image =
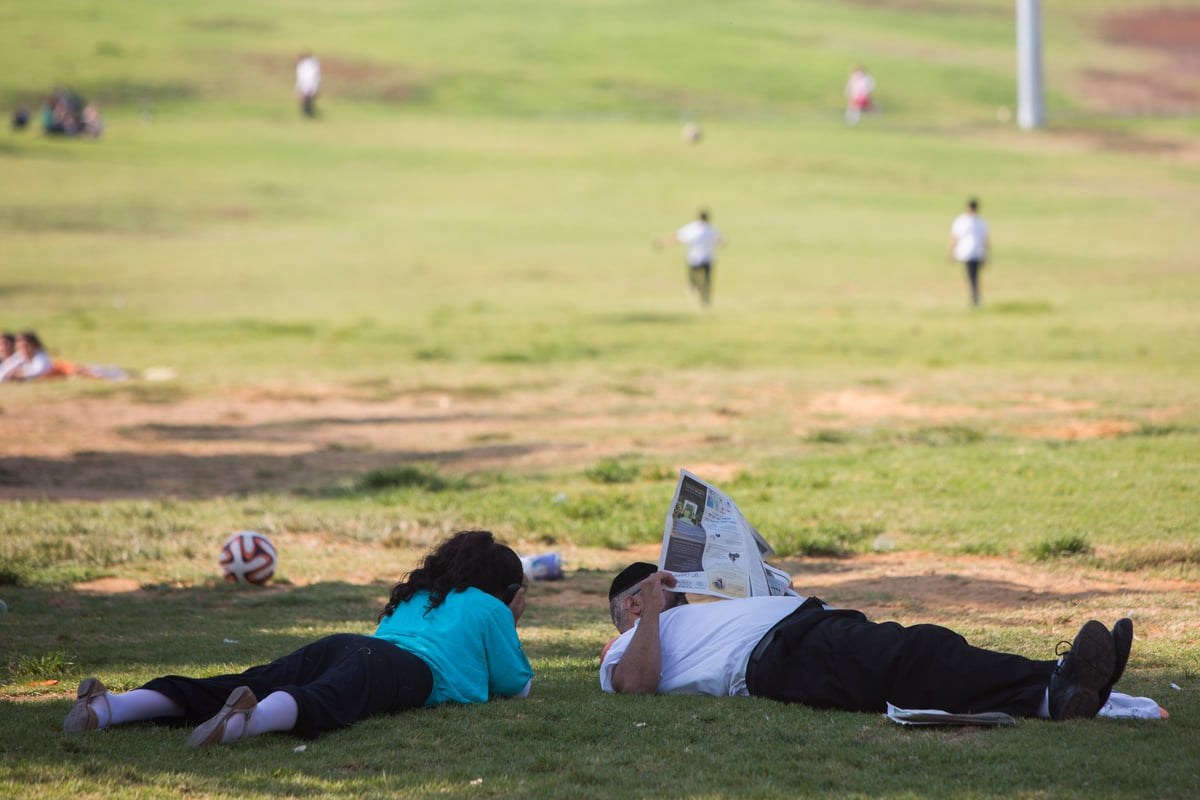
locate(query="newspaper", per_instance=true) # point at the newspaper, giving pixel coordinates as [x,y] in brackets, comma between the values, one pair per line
[711,549]
[933,716]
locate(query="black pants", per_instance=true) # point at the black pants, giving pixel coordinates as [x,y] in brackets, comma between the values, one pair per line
[840,659]
[973,268]
[335,681]
[700,278]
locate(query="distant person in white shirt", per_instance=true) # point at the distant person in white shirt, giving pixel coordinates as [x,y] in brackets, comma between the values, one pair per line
[970,244]
[702,241]
[308,83]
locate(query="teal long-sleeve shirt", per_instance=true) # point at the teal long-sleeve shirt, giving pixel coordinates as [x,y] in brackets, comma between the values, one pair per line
[469,642]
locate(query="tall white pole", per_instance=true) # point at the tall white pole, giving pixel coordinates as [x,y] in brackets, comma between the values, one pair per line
[1031,106]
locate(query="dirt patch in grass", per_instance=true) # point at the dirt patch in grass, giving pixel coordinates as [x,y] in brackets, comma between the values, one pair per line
[109,586]
[1170,84]
[1079,429]
[246,441]
[1171,29]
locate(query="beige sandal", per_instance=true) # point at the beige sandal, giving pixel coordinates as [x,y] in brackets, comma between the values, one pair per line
[241,701]
[82,717]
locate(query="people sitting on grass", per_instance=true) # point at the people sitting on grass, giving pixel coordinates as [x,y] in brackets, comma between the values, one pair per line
[448,634]
[30,361]
[801,650]
[64,113]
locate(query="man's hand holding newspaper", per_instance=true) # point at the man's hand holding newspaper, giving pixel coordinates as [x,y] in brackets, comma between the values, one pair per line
[711,549]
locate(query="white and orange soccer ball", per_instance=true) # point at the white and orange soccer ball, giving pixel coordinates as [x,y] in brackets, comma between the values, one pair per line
[248,557]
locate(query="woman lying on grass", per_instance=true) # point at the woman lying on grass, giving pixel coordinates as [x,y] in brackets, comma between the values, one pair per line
[447,634]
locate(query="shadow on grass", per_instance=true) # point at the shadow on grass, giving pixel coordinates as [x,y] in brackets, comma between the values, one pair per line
[284,431]
[92,475]
[169,629]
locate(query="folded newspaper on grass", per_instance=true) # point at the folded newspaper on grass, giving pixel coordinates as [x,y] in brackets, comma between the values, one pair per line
[1119,706]
[932,716]
[711,549]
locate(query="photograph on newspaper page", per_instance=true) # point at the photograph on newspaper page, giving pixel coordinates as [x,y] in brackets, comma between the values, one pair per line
[711,549]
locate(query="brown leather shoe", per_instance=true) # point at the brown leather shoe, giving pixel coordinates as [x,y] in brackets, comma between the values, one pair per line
[241,701]
[82,717]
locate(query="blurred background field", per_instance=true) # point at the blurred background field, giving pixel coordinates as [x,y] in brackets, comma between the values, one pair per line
[437,306]
[467,225]
[484,182]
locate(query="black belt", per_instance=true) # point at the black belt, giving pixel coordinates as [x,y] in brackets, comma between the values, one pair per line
[760,650]
[764,644]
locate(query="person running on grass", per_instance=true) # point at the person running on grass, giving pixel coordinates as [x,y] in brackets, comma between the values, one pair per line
[702,241]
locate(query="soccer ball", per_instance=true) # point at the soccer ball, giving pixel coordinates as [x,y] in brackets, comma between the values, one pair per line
[691,133]
[248,557]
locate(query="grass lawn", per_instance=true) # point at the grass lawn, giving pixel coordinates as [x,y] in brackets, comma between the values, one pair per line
[437,306]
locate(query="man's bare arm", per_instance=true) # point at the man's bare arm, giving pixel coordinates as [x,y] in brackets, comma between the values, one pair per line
[640,667]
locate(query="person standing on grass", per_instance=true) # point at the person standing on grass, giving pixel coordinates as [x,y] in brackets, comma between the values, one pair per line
[447,635]
[702,241]
[308,83]
[970,243]
[860,94]
[799,650]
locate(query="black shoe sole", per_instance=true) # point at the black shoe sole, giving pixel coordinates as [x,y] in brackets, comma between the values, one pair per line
[1084,673]
[1122,635]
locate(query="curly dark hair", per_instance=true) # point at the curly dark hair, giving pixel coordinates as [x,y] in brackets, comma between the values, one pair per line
[466,559]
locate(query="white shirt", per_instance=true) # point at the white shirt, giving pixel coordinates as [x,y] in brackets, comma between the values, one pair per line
[308,76]
[11,365]
[701,240]
[36,367]
[705,646]
[970,234]
[17,366]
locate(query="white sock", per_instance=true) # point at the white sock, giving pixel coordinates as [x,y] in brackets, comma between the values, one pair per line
[133,706]
[276,712]
[235,726]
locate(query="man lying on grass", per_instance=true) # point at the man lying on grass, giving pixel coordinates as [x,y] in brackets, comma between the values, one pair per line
[800,650]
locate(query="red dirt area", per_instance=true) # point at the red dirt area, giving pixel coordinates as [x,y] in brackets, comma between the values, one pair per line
[1172,84]
[245,441]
